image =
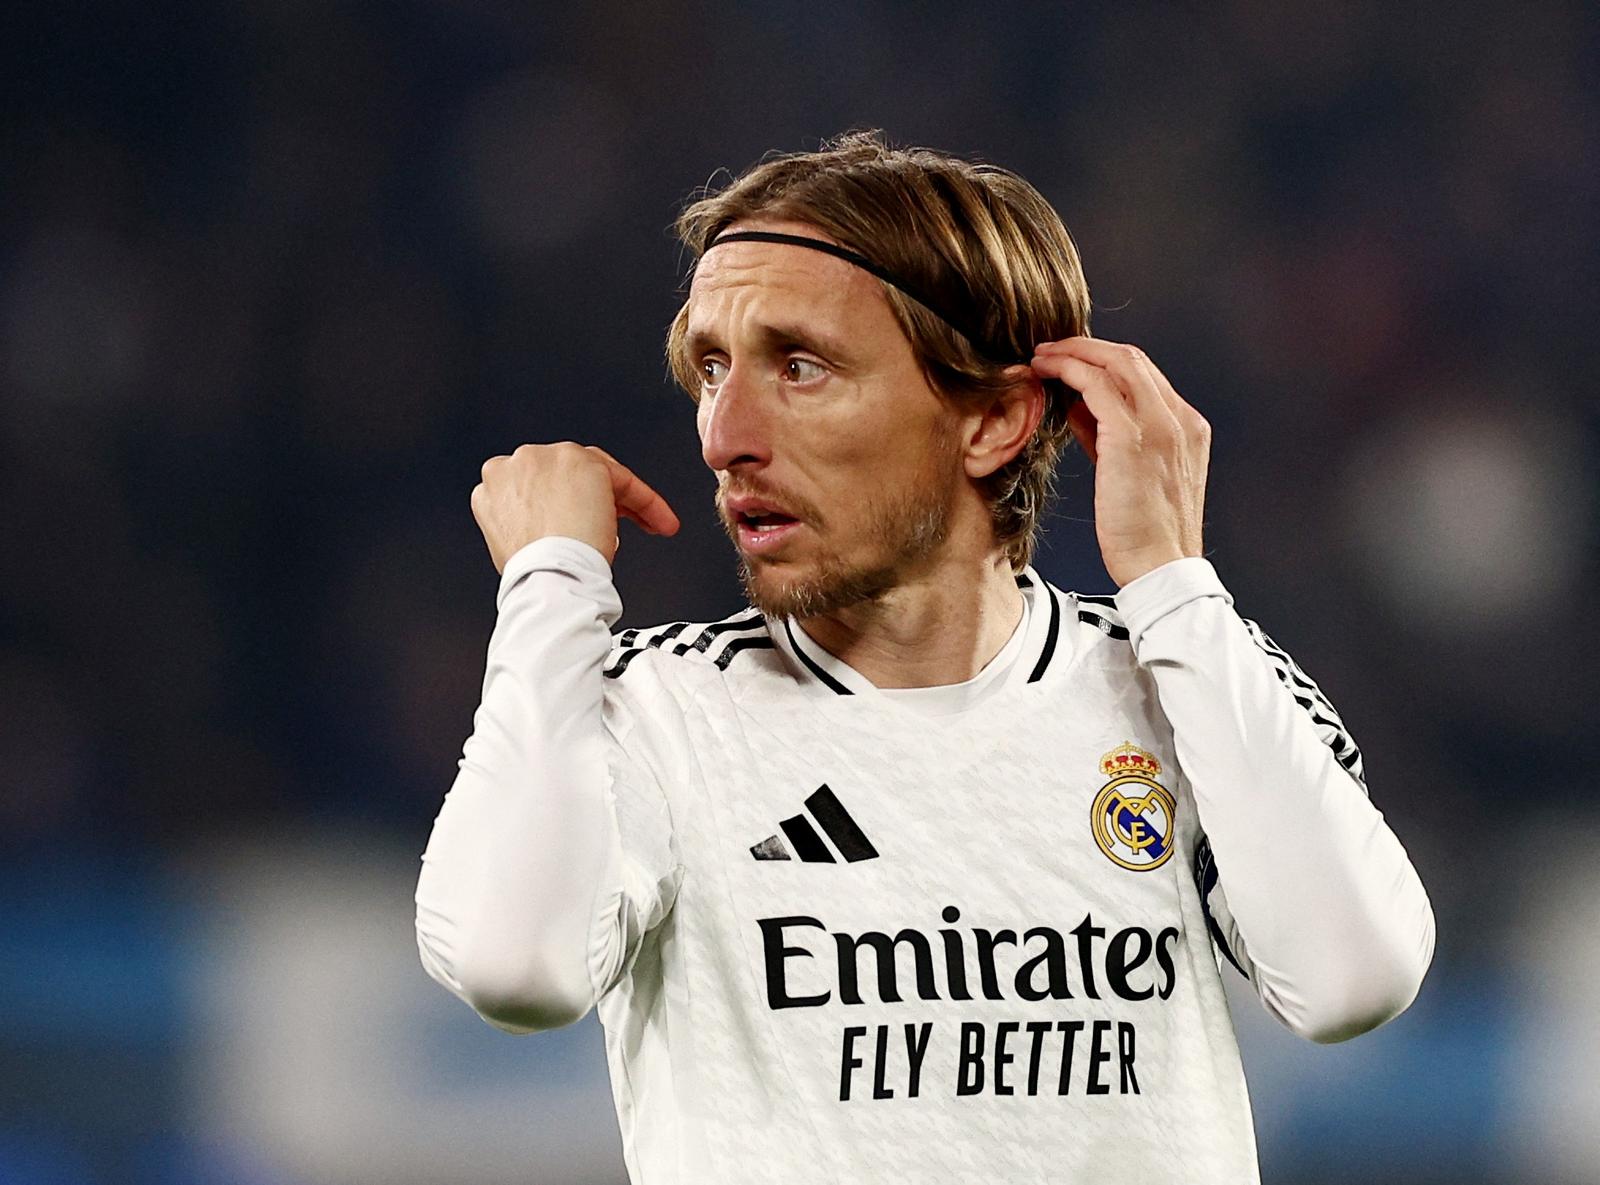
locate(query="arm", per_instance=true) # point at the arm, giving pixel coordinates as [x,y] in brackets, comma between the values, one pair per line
[529,905]
[1322,909]
[524,866]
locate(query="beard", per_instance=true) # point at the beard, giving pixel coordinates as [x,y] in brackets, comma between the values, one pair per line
[902,530]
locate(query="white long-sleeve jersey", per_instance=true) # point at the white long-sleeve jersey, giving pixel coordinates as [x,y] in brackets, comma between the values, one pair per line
[965,934]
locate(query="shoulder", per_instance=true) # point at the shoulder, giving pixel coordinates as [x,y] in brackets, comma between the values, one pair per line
[1074,626]
[1099,614]
[1311,698]
[718,645]
[1092,622]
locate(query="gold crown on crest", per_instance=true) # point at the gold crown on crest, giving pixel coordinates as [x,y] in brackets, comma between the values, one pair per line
[1128,758]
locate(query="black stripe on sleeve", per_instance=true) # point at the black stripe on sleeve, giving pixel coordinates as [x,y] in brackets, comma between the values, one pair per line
[1104,625]
[666,635]
[614,671]
[634,642]
[1331,730]
[738,644]
[851,841]
[712,632]
[827,679]
[653,636]
[806,841]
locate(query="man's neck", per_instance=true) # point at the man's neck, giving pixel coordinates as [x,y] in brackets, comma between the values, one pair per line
[941,626]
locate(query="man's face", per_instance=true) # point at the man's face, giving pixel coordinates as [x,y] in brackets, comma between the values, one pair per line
[812,405]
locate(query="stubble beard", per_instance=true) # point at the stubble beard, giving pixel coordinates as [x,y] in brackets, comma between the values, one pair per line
[903,531]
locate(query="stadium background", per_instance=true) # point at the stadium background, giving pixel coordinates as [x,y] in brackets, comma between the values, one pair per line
[276,276]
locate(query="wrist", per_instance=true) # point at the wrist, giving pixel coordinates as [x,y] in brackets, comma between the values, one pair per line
[606,548]
[562,553]
[1125,569]
[1163,590]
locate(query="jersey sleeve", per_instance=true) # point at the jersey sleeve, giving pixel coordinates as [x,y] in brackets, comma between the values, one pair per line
[553,853]
[1306,889]
[1331,731]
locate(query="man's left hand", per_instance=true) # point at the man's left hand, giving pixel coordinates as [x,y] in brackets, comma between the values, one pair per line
[1150,451]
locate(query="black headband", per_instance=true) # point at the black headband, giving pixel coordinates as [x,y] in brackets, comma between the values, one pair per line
[938,308]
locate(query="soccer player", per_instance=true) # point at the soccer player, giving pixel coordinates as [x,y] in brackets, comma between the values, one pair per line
[920,868]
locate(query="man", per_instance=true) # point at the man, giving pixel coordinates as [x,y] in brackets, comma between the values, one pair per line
[920,869]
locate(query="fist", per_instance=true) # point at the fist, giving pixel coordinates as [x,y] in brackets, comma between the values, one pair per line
[562,489]
[1150,449]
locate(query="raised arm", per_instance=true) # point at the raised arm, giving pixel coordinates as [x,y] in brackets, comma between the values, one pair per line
[1318,902]
[527,904]
[1308,890]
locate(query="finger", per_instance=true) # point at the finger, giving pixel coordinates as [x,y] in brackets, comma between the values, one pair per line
[1163,388]
[1182,410]
[1106,403]
[1102,404]
[1134,374]
[637,501]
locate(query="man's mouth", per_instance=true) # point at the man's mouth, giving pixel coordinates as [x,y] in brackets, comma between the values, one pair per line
[764,520]
[764,533]
[760,528]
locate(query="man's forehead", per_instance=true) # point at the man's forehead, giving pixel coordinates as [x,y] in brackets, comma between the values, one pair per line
[781,271]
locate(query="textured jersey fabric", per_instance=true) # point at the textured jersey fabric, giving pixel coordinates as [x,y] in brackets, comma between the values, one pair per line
[840,934]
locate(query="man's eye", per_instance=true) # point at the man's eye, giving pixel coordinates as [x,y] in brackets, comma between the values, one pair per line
[802,370]
[713,371]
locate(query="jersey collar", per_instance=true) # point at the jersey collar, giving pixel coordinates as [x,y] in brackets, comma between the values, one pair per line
[1044,643]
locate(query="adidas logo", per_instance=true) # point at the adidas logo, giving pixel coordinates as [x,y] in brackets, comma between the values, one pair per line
[836,823]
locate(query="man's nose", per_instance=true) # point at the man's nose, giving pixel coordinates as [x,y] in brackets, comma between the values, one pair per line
[734,427]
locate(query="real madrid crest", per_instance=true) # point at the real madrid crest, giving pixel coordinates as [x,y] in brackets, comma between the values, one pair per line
[1133,815]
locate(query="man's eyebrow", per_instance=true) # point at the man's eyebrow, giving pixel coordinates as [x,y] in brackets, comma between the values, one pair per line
[697,342]
[807,338]
[782,335]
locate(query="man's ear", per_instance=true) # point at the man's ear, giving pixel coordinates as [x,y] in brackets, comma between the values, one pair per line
[1005,426]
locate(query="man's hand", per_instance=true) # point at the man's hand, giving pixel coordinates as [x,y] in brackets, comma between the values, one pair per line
[1150,450]
[562,489]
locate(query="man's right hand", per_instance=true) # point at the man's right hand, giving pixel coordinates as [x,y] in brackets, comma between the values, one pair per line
[562,489]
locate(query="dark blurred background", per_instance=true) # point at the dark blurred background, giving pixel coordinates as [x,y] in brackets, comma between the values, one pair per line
[277,276]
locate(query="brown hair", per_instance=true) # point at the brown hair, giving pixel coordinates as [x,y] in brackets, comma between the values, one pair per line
[980,237]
